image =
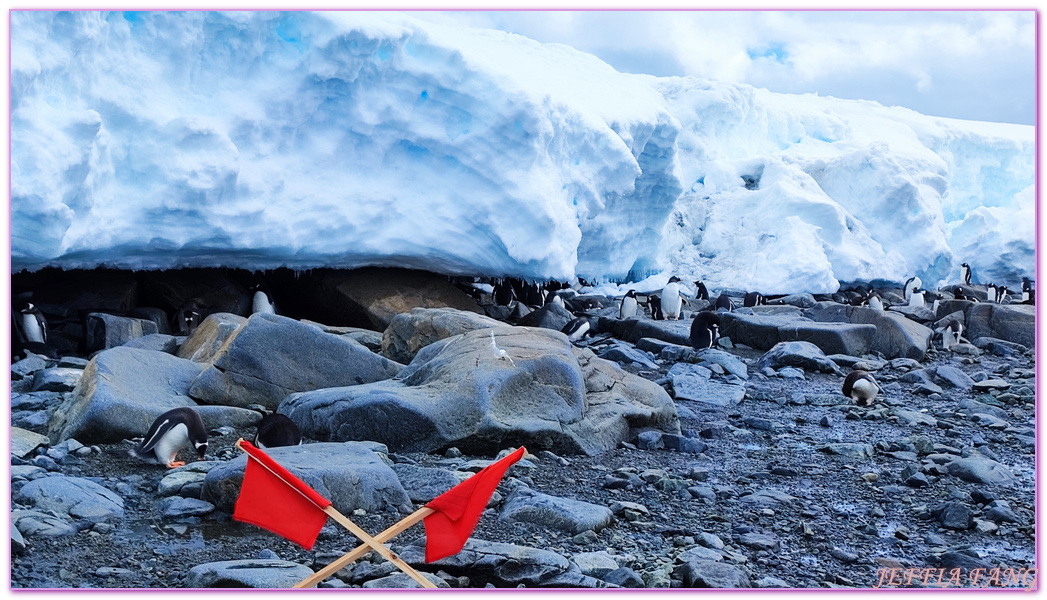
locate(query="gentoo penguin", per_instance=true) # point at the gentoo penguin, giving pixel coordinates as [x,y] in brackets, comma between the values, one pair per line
[705,330]
[965,273]
[723,301]
[34,325]
[503,293]
[1028,297]
[672,301]
[875,302]
[990,292]
[261,302]
[187,319]
[700,291]
[951,334]
[861,387]
[753,299]
[169,433]
[275,430]
[917,298]
[654,302]
[1001,294]
[555,298]
[911,285]
[577,328]
[627,309]
[938,297]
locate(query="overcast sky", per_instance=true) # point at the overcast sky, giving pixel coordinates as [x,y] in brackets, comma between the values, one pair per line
[966,64]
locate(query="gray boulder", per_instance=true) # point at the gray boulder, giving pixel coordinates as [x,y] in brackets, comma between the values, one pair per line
[981,470]
[764,331]
[250,573]
[158,342]
[203,345]
[31,523]
[623,353]
[401,580]
[530,387]
[501,564]
[410,332]
[730,363]
[896,336]
[595,564]
[698,573]
[954,377]
[103,331]
[74,496]
[24,441]
[798,354]
[692,382]
[632,330]
[550,316]
[273,356]
[423,483]
[120,394]
[56,379]
[350,475]
[1011,322]
[573,516]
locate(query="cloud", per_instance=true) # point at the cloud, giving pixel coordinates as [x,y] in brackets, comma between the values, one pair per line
[966,64]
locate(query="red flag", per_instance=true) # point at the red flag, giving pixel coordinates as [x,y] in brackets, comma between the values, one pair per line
[458,509]
[272,498]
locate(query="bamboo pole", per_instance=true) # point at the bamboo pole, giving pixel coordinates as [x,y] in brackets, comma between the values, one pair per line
[362,550]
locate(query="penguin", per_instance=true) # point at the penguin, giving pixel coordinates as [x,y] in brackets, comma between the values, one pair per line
[875,302]
[577,328]
[672,301]
[700,291]
[34,325]
[859,300]
[965,273]
[917,298]
[911,285]
[1001,294]
[44,351]
[654,302]
[990,292]
[951,334]
[705,330]
[1028,297]
[275,430]
[627,309]
[724,302]
[169,433]
[753,299]
[938,297]
[503,293]
[261,302]
[555,298]
[861,387]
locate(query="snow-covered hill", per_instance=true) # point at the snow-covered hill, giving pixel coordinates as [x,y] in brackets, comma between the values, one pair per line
[344,139]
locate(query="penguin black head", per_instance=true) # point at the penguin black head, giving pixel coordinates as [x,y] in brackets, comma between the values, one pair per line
[631,293]
[673,279]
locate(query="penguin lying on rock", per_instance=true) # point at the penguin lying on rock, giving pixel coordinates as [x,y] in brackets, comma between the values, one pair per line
[168,434]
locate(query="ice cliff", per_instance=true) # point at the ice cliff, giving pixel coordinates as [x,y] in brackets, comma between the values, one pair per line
[148,140]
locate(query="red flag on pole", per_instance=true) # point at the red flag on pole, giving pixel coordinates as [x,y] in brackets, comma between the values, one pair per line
[272,498]
[458,509]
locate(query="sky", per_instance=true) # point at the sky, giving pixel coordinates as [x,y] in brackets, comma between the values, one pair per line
[977,65]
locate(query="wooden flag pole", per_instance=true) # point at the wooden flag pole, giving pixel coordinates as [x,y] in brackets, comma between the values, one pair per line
[354,529]
[362,550]
[378,547]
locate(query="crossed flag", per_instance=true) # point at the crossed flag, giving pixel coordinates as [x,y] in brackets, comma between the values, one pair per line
[272,498]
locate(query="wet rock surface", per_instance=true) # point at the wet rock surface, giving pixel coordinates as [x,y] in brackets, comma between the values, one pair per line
[791,486]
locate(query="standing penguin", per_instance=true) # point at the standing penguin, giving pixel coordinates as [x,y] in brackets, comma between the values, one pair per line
[1028,297]
[34,325]
[275,430]
[705,330]
[700,291]
[965,273]
[861,387]
[753,299]
[951,334]
[911,285]
[917,299]
[938,297]
[990,292]
[654,302]
[169,433]
[1001,294]
[672,301]
[875,302]
[577,328]
[627,309]
[261,302]
[723,301]
[503,293]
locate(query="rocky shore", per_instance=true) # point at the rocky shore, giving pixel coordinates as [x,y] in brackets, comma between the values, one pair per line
[650,464]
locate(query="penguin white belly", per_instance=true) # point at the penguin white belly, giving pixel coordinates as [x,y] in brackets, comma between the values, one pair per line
[875,304]
[628,310]
[863,389]
[1025,296]
[32,329]
[579,333]
[671,303]
[261,304]
[168,446]
[916,301]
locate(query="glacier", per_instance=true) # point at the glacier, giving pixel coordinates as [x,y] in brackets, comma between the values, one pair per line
[258,140]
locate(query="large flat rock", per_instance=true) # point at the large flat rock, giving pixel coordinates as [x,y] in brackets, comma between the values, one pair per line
[764,331]
[895,335]
[1010,322]
[410,332]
